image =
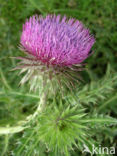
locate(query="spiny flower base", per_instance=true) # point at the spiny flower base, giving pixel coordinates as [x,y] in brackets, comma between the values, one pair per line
[42,76]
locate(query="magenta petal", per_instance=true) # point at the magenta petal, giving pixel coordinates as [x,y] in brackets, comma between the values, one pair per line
[56,40]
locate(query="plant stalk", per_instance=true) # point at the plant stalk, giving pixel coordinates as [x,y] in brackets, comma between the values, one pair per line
[41,105]
[40,108]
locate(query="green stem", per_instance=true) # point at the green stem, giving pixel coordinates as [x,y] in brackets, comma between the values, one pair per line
[41,105]
[16,129]
[5,145]
[40,108]
[11,130]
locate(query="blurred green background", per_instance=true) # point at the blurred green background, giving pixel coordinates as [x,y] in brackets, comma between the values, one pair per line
[100,16]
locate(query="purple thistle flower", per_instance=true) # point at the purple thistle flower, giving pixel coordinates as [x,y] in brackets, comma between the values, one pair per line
[55,46]
[56,41]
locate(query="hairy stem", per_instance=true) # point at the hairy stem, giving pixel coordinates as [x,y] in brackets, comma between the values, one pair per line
[5,145]
[41,105]
[19,128]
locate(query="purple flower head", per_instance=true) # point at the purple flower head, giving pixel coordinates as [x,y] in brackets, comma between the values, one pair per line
[55,47]
[54,40]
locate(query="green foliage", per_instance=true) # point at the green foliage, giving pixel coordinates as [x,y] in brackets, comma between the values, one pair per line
[86,116]
[61,130]
[65,125]
[98,90]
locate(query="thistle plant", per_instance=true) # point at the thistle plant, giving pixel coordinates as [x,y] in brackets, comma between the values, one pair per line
[55,49]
